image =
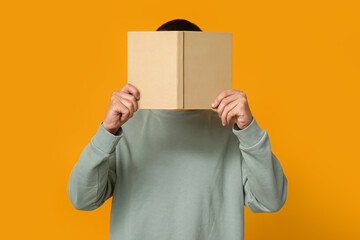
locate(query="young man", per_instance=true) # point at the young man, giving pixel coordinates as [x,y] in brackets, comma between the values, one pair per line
[178,174]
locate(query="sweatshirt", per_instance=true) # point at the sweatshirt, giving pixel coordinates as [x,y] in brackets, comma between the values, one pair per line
[178,175]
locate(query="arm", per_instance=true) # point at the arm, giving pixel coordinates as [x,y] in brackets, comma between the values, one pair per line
[264,183]
[93,177]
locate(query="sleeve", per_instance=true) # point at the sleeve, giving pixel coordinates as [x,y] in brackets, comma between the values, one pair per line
[264,182]
[93,177]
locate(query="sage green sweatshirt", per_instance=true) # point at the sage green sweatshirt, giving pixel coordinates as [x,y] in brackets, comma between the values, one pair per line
[178,176]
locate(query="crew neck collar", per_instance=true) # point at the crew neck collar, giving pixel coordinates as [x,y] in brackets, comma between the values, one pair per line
[167,113]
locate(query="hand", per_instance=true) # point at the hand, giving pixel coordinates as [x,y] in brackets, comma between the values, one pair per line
[123,104]
[232,104]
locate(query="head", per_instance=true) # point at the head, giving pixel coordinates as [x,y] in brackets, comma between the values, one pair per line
[179,25]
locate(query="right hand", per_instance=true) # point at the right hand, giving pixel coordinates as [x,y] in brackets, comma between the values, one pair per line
[123,104]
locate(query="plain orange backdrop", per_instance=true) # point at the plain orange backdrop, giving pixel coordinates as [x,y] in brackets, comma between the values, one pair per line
[297,61]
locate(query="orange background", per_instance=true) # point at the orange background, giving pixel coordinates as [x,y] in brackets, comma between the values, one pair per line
[297,61]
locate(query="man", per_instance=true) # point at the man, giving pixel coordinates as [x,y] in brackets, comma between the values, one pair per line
[178,174]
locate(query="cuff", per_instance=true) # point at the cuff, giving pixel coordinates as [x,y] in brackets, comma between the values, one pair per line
[250,135]
[105,140]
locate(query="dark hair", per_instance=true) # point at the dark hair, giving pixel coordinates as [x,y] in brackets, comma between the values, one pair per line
[179,25]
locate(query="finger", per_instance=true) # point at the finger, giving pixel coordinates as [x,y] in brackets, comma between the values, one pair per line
[129,97]
[218,99]
[224,115]
[231,114]
[225,101]
[129,88]
[120,108]
[124,111]
[129,105]
[126,103]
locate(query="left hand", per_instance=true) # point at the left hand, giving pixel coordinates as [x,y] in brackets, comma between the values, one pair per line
[232,104]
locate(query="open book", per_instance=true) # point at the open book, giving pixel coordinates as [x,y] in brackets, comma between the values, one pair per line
[179,69]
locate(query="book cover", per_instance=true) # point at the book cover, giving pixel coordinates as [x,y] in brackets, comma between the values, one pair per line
[179,69]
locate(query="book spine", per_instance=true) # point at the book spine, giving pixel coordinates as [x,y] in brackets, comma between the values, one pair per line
[180,70]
